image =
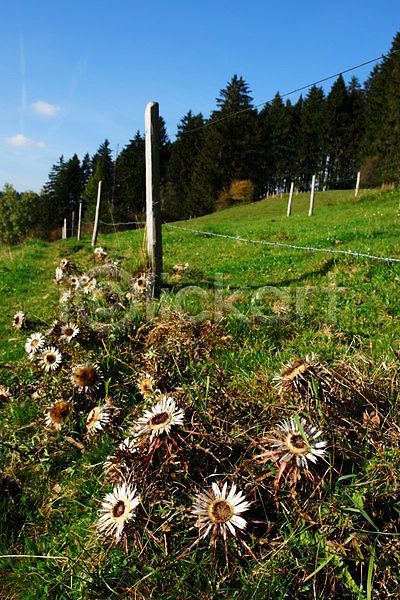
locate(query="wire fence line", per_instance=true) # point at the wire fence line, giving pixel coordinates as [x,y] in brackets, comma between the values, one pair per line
[238,238]
[116,224]
[124,223]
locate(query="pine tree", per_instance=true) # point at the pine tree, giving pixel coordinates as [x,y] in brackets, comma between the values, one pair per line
[312,138]
[381,142]
[102,168]
[278,148]
[184,152]
[130,182]
[165,149]
[60,194]
[86,170]
[228,151]
[356,100]
[338,118]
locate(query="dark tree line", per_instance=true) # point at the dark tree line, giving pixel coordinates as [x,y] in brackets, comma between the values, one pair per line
[240,152]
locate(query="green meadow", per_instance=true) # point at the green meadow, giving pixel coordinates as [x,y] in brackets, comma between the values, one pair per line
[223,327]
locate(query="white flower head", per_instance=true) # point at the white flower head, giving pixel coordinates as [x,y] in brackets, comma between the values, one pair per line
[84,279]
[117,509]
[99,253]
[69,332]
[64,263]
[160,419]
[65,296]
[293,444]
[60,274]
[74,281]
[34,343]
[90,286]
[97,418]
[50,358]
[19,319]
[142,284]
[220,512]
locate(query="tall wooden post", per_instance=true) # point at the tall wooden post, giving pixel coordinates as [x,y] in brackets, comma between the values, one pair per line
[289,206]
[64,230]
[357,184]
[79,219]
[72,223]
[310,211]
[153,207]
[96,219]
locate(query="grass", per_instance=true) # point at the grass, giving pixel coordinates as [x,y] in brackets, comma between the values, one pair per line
[221,331]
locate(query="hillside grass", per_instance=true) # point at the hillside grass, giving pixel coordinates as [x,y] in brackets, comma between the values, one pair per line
[367,302]
[220,332]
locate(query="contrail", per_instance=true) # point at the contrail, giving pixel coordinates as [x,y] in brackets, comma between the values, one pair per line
[21,68]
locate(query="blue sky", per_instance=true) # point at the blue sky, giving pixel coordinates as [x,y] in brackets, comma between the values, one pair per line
[75,73]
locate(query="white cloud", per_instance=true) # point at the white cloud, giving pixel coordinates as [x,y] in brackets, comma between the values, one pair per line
[44,108]
[21,141]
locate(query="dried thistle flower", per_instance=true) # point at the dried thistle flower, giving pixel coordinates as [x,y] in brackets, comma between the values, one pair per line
[181,267]
[18,319]
[4,394]
[50,358]
[65,263]
[60,274]
[58,414]
[141,284]
[98,416]
[86,378]
[74,281]
[119,464]
[100,253]
[34,343]
[69,332]
[303,378]
[145,383]
[117,509]
[220,512]
[90,286]
[159,419]
[293,443]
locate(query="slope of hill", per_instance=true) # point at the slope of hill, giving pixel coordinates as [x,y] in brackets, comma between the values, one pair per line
[366,299]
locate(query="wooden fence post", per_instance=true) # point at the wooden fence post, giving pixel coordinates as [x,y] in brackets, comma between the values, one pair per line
[96,219]
[72,223]
[310,211]
[79,219]
[357,184]
[289,206]
[153,207]
[64,230]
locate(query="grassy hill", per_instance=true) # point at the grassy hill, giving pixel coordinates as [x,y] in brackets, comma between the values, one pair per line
[366,307]
[222,329]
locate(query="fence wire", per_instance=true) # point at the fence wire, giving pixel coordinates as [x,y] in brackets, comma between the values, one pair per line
[238,238]
[115,224]
[125,223]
